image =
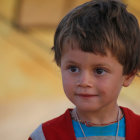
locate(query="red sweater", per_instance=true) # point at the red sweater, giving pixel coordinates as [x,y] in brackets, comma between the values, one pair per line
[61,128]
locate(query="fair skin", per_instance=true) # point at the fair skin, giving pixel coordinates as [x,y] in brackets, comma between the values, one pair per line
[92,82]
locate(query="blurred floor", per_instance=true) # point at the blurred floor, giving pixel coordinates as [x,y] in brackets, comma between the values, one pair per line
[30,83]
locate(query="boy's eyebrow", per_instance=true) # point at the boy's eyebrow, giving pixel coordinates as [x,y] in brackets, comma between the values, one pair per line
[93,65]
[73,62]
[102,65]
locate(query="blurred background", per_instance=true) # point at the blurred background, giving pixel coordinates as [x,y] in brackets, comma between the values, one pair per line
[30,83]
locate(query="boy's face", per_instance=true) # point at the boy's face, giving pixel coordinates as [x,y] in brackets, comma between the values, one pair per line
[92,82]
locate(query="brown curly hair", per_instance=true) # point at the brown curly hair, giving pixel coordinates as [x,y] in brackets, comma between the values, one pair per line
[98,26]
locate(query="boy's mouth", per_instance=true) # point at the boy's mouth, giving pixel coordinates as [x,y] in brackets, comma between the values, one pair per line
[86,95]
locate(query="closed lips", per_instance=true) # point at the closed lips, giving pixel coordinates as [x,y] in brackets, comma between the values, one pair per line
[86,95]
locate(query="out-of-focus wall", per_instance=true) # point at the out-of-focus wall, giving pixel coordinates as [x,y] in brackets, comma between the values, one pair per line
[134,7]
[40,12]
[44,12]
[28,13]
[7,8]
[36,12]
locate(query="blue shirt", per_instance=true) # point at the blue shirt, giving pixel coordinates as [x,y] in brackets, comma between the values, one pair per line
[100,132]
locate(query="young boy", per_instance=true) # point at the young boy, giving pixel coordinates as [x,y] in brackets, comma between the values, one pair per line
[97,47]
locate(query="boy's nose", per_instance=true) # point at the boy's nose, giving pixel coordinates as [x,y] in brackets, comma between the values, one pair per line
[85,80]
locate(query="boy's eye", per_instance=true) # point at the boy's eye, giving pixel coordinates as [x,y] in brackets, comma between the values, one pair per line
[73,69]
[100,71]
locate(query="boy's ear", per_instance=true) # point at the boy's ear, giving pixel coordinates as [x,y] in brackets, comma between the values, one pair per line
[129,78]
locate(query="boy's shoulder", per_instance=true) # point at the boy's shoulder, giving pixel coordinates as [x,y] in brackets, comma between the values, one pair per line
[129,114]
[57,128]
[60,127]
[132,121]
[65,117]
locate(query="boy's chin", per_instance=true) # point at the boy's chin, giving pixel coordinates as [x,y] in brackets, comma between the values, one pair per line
[87,108]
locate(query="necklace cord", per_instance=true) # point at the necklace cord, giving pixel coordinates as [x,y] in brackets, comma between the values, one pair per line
[118,119]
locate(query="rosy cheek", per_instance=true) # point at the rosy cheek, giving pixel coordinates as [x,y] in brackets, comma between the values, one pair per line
[66,84]
[102,88]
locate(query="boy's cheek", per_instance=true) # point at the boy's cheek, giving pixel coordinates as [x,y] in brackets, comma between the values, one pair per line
[68,86]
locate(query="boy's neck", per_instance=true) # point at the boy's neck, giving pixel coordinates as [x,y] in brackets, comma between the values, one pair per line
[104,116]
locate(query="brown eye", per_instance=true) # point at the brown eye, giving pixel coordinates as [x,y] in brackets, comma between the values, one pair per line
[100,71]
[73,69]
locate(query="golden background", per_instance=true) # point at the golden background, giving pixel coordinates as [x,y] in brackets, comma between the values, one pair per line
[30,82]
